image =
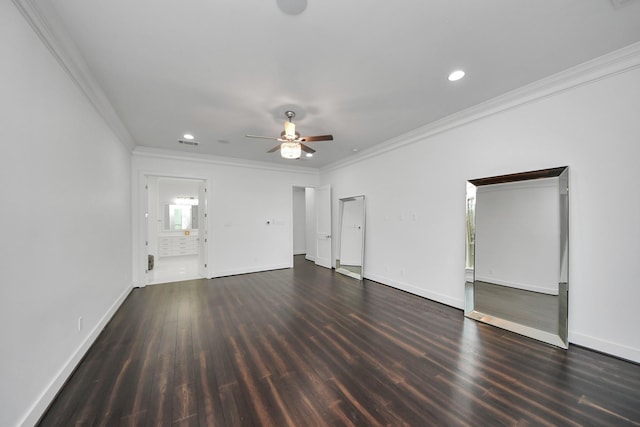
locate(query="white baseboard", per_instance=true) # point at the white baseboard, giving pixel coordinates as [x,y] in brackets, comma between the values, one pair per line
[614,349]
[257,269]
[434,296]
[46,397]
[523,286]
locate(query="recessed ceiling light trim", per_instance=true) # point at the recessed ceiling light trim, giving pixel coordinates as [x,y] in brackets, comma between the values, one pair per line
[456,75]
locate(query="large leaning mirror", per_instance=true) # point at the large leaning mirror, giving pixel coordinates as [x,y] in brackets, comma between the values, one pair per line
[351,243]
[517,253]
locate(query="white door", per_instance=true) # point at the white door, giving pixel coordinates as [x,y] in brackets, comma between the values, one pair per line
[323,226]
[202,230]
[146,235]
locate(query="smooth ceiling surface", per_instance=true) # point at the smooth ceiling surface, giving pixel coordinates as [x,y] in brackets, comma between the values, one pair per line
[363,71]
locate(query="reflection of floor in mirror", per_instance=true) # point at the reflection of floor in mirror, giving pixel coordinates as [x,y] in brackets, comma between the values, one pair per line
[173,269]
[349,270]
[528,308]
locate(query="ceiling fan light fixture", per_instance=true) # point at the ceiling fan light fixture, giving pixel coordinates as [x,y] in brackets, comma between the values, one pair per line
[291,143]
[290,130]
[290,150]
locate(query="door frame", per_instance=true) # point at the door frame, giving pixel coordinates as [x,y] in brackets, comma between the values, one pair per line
[140,248]
[324,237]
[315,225]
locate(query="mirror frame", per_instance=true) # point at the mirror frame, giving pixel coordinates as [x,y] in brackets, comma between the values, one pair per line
[560,338]
[339,268]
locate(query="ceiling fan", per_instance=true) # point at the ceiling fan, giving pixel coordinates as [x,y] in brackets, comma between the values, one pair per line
[291,143]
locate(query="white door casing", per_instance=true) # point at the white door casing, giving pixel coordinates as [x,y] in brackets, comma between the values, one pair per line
[323,227]
[202,229]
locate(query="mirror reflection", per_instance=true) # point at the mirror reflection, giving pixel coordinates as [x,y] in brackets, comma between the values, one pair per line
[181,216]
[351,241]
[517,241]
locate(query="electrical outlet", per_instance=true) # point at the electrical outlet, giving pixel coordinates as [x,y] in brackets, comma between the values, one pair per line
[79,323]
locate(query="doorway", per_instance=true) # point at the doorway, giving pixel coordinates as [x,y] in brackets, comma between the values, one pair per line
[176,229]
[311,224]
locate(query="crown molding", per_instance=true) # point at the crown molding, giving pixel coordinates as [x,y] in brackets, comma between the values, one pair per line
[54,37]
[611,64]
[160,153]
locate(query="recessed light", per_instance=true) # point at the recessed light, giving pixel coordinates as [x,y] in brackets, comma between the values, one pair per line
[188,136]
[355,150]
[309,154]
[456,75]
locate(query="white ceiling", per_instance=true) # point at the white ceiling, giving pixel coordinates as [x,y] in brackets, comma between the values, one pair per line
[363,71]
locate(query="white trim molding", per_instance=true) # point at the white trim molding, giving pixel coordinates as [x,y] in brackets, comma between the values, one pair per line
[255,269]
[621,351]
[52,34]
[412,289]
[162,153]
[46,397]
[611,64]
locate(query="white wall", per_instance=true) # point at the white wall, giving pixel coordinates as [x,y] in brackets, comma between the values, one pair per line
[299,222]
[518,235]
[415,233]
[242,198]
[66,239]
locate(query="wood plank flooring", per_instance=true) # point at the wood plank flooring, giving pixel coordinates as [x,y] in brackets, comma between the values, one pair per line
[532,309]
[309,347]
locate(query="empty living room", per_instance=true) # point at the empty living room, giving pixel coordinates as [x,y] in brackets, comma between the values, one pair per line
[302,213]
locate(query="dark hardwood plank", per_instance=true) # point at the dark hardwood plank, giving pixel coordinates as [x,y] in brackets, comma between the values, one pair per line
[308,347]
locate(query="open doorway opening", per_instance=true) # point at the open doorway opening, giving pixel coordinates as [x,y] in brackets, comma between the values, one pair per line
[300,233]
[311,217]
[176,229]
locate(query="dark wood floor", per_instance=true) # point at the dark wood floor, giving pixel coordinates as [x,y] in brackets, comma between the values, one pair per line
[308,347]
[532,309]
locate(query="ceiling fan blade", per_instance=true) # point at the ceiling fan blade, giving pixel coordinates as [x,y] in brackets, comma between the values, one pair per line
[262,137]
[316,138]
[306,148]
[274,149]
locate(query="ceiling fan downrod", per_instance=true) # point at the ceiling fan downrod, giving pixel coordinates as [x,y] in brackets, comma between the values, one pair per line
[290,128]
[289,114]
